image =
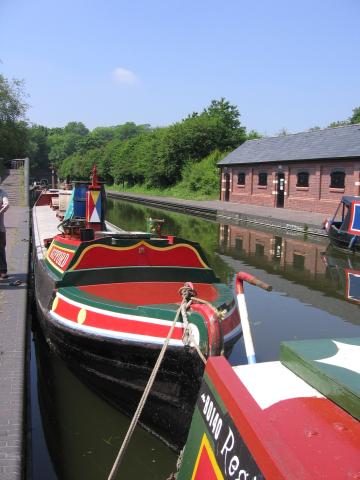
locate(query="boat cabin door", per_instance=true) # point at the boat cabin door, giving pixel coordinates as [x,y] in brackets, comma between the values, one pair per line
[280,190]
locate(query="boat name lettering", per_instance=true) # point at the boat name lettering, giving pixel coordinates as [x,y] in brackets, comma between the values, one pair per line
[231,453]
[212,416]
[59,257]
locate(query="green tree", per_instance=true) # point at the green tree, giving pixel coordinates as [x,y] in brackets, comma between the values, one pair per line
[12,104]
[65,142]
[230,133]
[76,128]
[252,135]
[38,149]
[13,128]
[339,123]
[355,118]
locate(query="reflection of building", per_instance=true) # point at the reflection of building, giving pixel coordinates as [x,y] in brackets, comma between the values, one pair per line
[279,252]
[306,171]
[299,268]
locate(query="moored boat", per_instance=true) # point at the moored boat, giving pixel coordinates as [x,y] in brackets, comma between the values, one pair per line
[107,299]
[297,418]
[344,228]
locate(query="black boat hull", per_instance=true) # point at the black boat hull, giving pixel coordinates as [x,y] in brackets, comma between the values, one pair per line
[343,241]
[118,371]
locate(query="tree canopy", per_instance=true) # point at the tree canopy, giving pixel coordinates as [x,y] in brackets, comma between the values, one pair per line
[355,118]
[139,154]
[13,128]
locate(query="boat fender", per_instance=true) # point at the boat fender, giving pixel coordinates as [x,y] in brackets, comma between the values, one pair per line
[216,338]
[352,242]
[326,224]
[212,319]
[210,313]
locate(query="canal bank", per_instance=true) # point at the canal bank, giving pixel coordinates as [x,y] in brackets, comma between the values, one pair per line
[234,213]
[14,338]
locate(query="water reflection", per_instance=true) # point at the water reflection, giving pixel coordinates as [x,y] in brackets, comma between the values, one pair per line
[83,433]
[309,262]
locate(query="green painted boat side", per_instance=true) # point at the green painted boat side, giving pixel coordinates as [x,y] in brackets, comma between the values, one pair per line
[133,274]
[330,365]
[197,429]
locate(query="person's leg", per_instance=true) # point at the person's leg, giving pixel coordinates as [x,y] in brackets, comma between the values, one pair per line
[3,264]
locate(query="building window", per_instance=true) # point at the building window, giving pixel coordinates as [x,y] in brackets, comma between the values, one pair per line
[259,250]
[302,179]
[241,178]
[238,243]
[299,262]
[337,179]
[262,179]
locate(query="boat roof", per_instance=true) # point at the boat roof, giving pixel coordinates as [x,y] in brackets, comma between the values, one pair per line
[327,365]
[348,199]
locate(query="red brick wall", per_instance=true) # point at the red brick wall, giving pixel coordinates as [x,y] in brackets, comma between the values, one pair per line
[318,197]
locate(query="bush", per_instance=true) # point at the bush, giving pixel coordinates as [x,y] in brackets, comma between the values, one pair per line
[202,178]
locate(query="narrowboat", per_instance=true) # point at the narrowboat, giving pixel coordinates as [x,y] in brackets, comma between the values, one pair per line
[107,298]
[344,228]
[297,418]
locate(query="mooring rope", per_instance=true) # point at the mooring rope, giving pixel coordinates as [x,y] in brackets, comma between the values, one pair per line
[197,348]
[145,394]
[189,295]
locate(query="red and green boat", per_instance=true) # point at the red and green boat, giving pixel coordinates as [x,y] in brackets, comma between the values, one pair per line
[297,418]
[107,299]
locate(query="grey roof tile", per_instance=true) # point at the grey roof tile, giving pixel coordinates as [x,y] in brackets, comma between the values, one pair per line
[339,142]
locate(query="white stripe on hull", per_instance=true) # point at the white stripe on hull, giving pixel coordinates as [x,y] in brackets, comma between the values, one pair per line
[113,334]
[124,316]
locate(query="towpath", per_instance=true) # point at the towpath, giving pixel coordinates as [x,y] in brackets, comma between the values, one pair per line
[14,332]
[229,212]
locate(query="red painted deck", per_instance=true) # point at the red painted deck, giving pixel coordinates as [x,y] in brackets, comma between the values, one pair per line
[147,293]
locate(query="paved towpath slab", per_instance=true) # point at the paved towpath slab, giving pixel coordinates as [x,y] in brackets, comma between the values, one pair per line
[14,332]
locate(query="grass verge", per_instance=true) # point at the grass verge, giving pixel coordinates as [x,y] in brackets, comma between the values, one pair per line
[177,192]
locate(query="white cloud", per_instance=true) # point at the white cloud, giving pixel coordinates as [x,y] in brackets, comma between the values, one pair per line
[122,75]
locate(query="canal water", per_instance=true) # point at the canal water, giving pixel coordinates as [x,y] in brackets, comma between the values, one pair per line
[316,294]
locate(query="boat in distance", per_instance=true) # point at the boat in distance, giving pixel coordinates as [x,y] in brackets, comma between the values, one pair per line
[344,228]
[106,300]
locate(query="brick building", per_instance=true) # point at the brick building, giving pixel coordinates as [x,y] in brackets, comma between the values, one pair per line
[305,171]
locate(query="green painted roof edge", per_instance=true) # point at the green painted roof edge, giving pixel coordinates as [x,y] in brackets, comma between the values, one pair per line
[312,374]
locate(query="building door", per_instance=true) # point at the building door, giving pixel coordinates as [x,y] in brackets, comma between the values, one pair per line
[280,190]
[227,187]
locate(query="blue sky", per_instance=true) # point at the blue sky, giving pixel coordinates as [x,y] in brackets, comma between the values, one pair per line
[285,64]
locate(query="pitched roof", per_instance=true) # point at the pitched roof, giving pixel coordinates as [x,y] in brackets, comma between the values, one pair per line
[338,142]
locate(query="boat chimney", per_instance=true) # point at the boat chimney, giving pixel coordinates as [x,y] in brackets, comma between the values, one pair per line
[95,216]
